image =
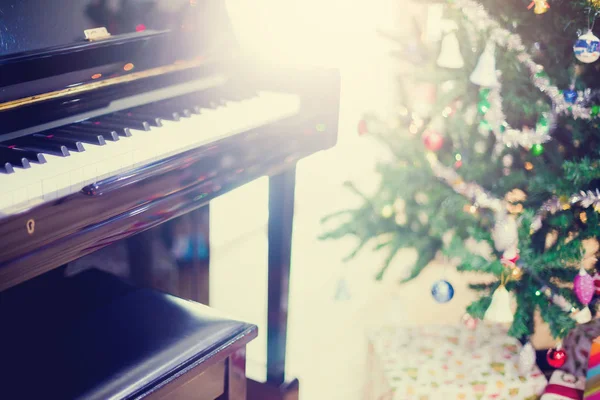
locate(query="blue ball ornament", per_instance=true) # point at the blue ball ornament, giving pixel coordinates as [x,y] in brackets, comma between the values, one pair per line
[587,48]
[442,291]
[570,96]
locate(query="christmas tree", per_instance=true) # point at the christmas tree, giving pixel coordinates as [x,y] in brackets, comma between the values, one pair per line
[507,154]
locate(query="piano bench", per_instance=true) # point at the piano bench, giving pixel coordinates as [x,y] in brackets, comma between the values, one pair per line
[93,336]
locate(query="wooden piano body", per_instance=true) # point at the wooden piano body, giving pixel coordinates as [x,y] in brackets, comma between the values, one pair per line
[153,72]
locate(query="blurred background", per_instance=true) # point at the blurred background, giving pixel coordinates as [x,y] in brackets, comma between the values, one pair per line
[333,304]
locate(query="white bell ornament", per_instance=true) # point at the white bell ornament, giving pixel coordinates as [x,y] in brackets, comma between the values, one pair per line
[450,56]
[500,310]
[484,73]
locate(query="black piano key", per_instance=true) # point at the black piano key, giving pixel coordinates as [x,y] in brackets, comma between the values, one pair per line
[132,122]
[85,137]
[176,105]
[151,114]
[194,109]
[205,101]
[212,104]
[43,146]
[185,106]
[17,160]
[107,134]
[185,113]
[72,144]
[6,168]
[19,154]
[239,96]
[98,126]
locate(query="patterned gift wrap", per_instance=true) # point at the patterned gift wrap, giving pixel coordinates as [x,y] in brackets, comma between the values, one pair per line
[448,363]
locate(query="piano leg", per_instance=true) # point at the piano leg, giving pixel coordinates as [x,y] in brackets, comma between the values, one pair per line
[194,275]
[281,216]
[201,289]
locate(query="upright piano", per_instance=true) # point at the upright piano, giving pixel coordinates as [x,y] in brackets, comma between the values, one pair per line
[117,116]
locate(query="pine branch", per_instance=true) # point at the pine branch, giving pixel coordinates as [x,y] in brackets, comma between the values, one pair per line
[478,308]
[482,286]
[427,253]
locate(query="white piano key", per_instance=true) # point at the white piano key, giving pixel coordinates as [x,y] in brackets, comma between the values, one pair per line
[75,179]
[61,176]
[7,200]
[50,187]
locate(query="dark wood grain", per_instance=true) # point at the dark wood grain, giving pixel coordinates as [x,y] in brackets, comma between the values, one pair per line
[206,384]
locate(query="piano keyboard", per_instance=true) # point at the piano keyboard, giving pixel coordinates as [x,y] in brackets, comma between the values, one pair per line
[48,165]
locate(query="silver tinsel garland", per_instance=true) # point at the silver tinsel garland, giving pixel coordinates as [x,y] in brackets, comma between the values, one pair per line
[482,21]
[507,136]
[472,191]
[479,17]
[585,199]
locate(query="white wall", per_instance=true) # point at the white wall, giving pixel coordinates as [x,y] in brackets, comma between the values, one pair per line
[323,33]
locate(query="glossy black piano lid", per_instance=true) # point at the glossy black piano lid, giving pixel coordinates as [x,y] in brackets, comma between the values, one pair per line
[29,25]
[44,51]
[45,39]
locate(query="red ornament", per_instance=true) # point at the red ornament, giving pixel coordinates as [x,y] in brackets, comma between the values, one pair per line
[513,260]
[433,141]
[469,322]
[362,127]
[597,284]
[458,164]
[556,357]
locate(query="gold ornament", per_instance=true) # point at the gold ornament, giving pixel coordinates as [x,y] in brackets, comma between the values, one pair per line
[471,209]
[516,273]
[400,219]
[399,205]
[514,199]
[539,6]
[387,211]
[515,208]
[515,196]
[595,3]
[565,204]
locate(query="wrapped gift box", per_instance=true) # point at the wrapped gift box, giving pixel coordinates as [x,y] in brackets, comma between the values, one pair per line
[448,363]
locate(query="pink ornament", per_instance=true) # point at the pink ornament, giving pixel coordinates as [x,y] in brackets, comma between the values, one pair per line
[433,140]
[584,288]
[469,322]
